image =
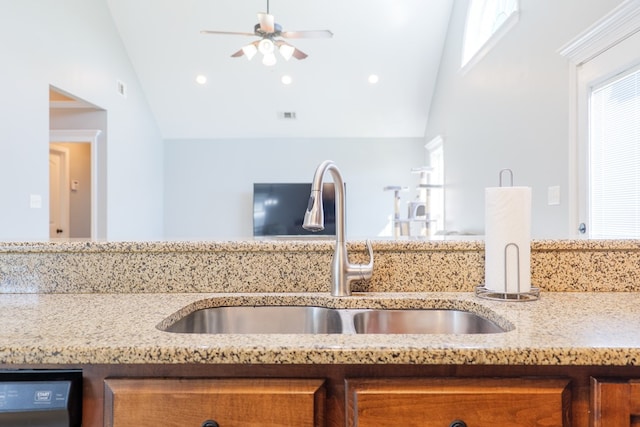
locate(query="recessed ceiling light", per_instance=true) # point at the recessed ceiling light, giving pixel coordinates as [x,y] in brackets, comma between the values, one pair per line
[201,79]
[286,80]
[373,79]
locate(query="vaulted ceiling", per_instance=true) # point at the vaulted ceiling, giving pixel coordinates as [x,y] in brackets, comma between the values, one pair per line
[400,41]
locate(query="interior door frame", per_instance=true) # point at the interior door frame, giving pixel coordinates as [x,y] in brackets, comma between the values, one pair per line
[84,136]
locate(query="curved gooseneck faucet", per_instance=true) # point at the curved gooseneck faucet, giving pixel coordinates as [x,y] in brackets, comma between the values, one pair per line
[342,272]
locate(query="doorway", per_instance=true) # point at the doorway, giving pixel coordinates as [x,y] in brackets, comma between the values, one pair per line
[73,184]
[607,115]
[70,190]
[606,48]
[58,195]
[80,126]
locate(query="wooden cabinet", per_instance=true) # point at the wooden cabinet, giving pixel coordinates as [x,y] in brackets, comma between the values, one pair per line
[227,402]
[615,402]
[336,395]
[440,402]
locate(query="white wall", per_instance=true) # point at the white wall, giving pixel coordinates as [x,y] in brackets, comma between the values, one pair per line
[510,111]
[72,45]
[209,183]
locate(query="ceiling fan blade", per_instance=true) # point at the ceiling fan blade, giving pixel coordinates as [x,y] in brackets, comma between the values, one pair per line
[249,50]
[298,54]
[232,33]
[287,50]
[318,34]
[267,22]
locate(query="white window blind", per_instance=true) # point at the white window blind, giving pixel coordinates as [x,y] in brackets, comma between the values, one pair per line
[614,157]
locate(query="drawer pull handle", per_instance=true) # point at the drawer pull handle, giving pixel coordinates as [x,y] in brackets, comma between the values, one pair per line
[210,423]
[458,423]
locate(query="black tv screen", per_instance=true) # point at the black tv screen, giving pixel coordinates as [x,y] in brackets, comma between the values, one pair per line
[278,209]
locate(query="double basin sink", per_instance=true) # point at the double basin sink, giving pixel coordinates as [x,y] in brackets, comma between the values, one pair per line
[321,320]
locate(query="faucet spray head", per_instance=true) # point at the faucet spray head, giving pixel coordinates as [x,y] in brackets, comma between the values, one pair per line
[314,215]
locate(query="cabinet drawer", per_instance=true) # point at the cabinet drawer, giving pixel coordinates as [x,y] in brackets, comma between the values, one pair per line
[229,402]
[615,402]
[478,402]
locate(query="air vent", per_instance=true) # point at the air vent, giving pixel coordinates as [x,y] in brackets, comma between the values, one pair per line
[288,115]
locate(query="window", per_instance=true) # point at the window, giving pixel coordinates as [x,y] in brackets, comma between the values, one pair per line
[487,22]
[614,157]
[434,195]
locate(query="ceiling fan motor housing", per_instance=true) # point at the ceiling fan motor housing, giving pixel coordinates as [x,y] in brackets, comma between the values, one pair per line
[277,29]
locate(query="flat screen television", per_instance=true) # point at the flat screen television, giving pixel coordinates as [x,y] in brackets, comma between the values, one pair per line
[278,209]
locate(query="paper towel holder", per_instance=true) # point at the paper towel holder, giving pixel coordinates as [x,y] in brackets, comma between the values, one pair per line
[532,295]
[510,177]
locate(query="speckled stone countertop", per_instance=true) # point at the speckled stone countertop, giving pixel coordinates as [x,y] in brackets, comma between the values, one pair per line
[559,329]
[101,302]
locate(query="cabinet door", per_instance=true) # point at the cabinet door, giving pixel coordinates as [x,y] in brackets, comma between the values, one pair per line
[440,402]
[615,402]
[227,402]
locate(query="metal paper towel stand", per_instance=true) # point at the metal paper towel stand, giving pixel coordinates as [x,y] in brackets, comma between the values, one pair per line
[531,295]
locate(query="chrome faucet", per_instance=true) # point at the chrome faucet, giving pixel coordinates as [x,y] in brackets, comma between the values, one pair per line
[342,272]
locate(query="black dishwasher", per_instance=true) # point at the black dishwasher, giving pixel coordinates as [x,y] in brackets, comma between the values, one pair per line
[41,398]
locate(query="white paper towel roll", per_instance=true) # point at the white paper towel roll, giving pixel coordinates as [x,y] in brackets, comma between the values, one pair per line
[507,225]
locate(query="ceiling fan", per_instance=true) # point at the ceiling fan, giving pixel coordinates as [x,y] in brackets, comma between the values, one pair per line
[270,33]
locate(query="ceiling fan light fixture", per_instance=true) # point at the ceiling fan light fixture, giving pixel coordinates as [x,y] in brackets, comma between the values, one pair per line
[250,51]
[269,59]
[286,50]
[266,46]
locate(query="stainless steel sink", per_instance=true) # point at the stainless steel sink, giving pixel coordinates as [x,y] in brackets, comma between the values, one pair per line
[319,320]
[422,322]
[260,320]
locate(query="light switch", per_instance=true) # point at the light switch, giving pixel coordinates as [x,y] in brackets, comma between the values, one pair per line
[75,185]
[35,201]
[553,195]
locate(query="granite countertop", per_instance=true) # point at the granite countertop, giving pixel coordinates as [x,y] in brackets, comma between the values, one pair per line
[562,328]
